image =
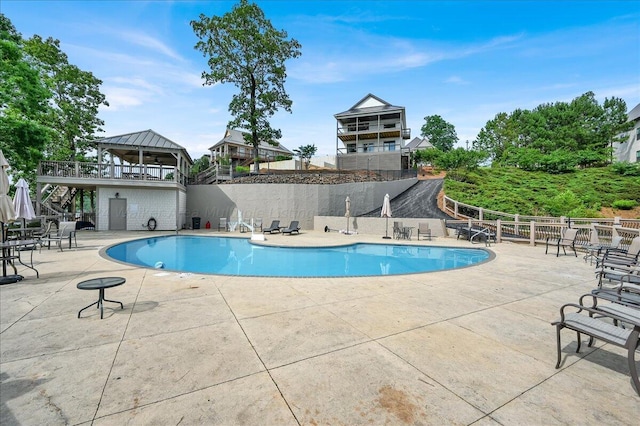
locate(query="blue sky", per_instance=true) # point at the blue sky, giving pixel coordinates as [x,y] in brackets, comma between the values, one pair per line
[465,61]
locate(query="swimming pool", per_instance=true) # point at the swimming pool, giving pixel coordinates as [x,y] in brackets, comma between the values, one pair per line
[238,256]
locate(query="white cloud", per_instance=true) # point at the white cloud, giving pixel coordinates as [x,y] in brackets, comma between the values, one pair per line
[454,79]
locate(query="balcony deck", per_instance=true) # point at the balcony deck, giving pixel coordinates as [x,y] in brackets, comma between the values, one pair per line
[85,174]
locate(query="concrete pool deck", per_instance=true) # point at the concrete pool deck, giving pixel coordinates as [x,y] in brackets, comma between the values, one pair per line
[467,346]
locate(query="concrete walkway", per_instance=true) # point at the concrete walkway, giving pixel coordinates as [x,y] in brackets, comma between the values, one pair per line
[469,346]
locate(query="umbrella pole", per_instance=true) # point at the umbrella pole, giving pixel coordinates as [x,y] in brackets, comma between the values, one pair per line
[386,229]
[4,261]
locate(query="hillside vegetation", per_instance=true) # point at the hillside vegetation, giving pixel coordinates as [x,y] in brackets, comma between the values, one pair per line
[582,193]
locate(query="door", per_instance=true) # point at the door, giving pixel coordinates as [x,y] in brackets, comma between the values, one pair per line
[117,214]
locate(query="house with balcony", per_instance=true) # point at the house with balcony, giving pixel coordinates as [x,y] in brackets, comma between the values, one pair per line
[137,177]
[370,135]
[238,152]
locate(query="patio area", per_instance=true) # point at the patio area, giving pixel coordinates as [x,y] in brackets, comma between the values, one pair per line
[468,346]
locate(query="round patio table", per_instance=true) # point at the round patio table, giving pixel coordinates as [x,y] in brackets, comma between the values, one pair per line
[100,284]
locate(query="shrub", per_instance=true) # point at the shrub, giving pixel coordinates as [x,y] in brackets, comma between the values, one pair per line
[564,204]
[242,169]
[626,169]
[624,204]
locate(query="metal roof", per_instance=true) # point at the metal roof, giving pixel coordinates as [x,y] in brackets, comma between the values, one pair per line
[147,141]
[236,137]
[634,114]
[383,106]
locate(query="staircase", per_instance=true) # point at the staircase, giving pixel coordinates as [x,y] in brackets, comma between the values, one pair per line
[57,198]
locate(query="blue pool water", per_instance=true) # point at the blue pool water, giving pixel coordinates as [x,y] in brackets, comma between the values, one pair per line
[237,256]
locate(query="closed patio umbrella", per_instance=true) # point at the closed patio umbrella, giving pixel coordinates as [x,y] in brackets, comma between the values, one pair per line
[22,202]
[386,213]
[347,213]
[7,214]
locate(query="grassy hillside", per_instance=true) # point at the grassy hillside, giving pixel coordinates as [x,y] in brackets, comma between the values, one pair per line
[579,194]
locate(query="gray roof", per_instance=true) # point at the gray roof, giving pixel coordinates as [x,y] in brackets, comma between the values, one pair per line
[143,139]
[236,137]
[418,143]
[147,140]
[634,114]
[355,110]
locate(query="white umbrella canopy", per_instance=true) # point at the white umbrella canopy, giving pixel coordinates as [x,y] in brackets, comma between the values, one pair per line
[347,213]
[386,213]
[386,207]
[22,201]
[7,212]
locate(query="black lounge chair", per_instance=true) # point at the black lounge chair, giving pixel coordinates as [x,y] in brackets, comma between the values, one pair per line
[293,227]
[274,227]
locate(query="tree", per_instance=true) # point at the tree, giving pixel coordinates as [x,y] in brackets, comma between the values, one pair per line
[244,49]
[556,137]
[75,102]
[305,153]
[201,164]
[23,105]
[441,135]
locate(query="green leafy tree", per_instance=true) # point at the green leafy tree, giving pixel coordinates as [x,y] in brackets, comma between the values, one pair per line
[556,137]
[23,105]
[244,49]
[496,137]
[201,164]
[75,102]
[441,134]
[305,153]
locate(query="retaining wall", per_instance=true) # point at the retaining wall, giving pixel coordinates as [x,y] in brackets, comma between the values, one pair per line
[288,202]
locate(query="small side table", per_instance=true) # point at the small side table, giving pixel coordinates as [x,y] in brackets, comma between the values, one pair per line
[100,284]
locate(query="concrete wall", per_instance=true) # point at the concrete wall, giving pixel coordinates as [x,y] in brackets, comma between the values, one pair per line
[371,161]
[377,225]
[328,161]
[142,204]
[287,202]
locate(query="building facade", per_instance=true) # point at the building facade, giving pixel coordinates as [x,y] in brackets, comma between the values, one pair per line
[370,135]
[629,150]
[235,149]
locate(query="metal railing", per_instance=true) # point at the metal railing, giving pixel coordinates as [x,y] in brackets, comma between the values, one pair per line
[77,169]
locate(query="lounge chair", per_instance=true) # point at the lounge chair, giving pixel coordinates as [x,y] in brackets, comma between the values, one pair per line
[66,231]
[274,227]
[617,272]
[628,256]
[222,224]
[595,321]
[293,227]
[423,228]
[597,248]
[568,239]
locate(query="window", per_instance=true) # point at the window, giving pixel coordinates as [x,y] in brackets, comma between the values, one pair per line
[367,147]
[351,147]
[637,156]
[390,126]
[638,133]
[390,145]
